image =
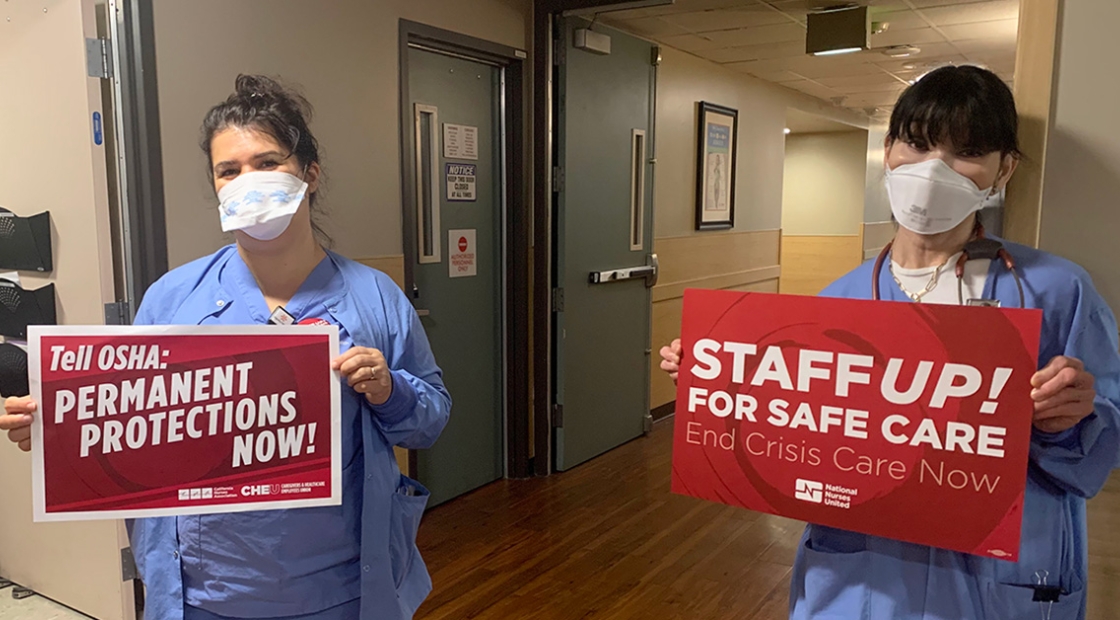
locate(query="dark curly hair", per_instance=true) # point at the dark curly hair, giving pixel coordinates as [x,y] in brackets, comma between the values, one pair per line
[265,105]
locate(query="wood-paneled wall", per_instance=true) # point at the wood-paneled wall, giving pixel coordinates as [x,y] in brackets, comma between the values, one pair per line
[812,262]
[392,266]
[747,261]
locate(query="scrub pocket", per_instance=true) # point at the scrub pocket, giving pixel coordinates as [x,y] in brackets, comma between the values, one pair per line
[833,579]
[408,505]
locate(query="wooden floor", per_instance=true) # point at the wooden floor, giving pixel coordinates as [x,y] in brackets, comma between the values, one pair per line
[608,540]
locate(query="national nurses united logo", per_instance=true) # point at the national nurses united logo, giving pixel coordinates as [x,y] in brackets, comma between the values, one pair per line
[809,491]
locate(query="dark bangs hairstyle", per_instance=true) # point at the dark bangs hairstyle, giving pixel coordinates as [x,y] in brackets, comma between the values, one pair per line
[967,106]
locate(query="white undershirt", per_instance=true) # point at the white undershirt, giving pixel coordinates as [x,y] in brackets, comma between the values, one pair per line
[915,280]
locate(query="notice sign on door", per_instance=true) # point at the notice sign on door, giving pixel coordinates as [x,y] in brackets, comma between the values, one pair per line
[907,421]
[461,182]
[461,249]
[169,420]
[460,141]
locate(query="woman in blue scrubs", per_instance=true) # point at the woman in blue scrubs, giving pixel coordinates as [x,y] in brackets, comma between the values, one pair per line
[952,143]
[357,560]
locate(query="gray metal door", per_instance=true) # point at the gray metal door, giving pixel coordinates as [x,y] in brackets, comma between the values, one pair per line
[457,271]
[604,266]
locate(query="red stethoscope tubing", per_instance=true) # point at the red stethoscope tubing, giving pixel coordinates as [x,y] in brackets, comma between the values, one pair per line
[1002,254]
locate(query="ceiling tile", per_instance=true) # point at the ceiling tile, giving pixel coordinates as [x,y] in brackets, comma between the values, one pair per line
[755,52]
[778,33]
[901,20]
[725,19]
[649,27]
[917,36]
[991,46]
[765,40]
[879,79]
[999,30]
[678,6]
[920,64]
[812,88]
[973,12]
[815,69]
[922,4]
[778,77]
[690,42]
[925,50]
[872,99]
[894,87]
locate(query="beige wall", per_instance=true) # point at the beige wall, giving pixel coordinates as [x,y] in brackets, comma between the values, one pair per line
[684,80]
[1082,164]
[876,205]
[822,208]
[344,56]
[823,183]
[50,162]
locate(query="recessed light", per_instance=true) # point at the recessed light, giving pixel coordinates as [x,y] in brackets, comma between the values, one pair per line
[787,130]
[910,66]
[845,50]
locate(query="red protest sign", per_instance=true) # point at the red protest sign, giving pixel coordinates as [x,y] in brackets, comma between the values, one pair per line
[907,421]
[157,421]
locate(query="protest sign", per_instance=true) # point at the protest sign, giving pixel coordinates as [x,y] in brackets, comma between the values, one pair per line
[907,421]
[166,420]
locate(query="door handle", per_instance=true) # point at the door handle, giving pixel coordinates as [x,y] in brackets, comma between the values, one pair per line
[648,272]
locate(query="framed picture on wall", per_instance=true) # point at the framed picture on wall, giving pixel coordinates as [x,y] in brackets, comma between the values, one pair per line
[717,141]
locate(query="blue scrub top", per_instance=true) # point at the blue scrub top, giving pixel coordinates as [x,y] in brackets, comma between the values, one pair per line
[277,563]
[356,561]
[840,574]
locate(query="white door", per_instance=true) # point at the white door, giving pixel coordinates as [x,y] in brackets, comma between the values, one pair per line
[51,160]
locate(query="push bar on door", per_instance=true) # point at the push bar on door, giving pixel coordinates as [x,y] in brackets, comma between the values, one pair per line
[647,272]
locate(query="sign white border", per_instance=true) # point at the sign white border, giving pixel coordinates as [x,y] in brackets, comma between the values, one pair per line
[37,332]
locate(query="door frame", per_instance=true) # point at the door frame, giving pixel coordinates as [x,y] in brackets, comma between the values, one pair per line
[515,225]
[545,16]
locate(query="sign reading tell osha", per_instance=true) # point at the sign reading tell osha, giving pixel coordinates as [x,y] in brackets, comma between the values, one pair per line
[907,421]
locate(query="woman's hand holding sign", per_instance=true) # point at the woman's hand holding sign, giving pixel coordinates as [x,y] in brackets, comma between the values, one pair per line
[1063,394]
[366,371]
[671,359]
[17,421]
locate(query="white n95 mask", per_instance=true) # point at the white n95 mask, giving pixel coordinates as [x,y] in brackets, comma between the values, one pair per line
[261,204]
[929,198]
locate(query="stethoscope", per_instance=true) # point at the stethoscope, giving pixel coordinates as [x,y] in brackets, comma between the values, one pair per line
[979,248]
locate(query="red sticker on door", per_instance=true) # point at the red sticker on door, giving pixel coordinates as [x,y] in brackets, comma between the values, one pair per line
[462,262]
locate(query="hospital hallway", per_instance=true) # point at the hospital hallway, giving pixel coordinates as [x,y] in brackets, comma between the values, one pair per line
[608,540]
